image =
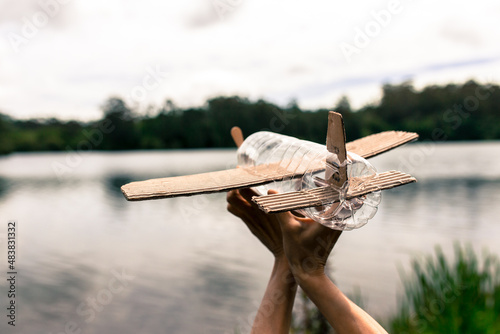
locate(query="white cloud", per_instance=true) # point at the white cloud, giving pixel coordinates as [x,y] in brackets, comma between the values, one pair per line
[278,50]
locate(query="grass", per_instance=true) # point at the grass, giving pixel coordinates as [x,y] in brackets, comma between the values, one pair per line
[441,296]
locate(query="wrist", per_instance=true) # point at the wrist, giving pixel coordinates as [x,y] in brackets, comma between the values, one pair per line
[281,271]
[302,274]
[309,281]
[281,260]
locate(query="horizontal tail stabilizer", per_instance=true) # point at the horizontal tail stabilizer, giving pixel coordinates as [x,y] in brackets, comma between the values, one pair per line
[358,186]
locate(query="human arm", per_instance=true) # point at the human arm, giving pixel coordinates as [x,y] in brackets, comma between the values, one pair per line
[275,311]
[343,314]
[307,245]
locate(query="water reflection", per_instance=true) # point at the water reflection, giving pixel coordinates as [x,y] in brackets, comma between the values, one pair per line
[50,292]
[4,187]
[197,268]
[113,184]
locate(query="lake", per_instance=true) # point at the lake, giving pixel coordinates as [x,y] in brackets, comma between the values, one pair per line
[89,260]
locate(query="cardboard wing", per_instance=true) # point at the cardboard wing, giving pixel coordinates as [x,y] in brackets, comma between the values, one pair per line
[211,182]
[253,176]
[370,146]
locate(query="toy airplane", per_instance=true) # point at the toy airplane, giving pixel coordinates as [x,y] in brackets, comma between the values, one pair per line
[335,175]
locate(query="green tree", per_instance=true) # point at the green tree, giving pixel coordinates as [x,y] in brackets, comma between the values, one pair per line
[124,134]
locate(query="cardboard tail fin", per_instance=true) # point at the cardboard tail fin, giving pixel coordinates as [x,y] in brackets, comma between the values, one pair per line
[336,168]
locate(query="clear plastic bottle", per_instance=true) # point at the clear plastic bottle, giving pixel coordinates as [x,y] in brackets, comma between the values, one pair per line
[298,155]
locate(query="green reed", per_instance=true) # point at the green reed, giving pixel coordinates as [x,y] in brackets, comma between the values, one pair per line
[441,296]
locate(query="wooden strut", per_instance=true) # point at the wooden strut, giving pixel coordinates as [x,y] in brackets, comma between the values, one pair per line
[237,135]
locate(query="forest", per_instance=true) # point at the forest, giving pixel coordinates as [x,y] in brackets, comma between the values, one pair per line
[468,111]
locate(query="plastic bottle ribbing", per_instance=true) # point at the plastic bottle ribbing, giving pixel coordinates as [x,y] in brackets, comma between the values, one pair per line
[307,159]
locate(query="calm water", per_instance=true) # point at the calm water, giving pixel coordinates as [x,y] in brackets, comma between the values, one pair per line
[185,265]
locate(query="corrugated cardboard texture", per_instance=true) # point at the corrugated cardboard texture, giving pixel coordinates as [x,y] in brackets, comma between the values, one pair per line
[358,186]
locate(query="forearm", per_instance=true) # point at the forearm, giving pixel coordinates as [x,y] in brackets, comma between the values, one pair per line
[275,311]
[340,311]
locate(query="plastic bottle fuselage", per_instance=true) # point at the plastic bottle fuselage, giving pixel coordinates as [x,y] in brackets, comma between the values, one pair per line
[307,162]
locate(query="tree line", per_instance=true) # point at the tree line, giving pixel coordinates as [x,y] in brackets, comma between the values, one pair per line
[469,111]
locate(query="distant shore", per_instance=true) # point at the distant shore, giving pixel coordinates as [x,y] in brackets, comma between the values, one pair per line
[468,111]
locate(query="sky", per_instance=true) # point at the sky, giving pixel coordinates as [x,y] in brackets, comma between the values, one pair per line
[64,58]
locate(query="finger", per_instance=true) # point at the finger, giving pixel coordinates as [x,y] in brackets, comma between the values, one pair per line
[320,229]
[234,198]
[287,219]
[243,215]
[287,222]
[247,194]
[231,196]
[247,219]
[233,210]
[330,236]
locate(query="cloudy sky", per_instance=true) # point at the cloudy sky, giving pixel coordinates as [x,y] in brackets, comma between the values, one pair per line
[64,58]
